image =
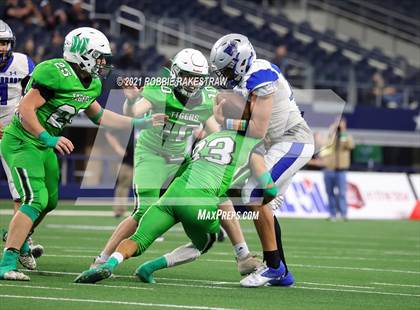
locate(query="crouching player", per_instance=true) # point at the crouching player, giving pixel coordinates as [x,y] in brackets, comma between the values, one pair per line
[215,162]
[58,90]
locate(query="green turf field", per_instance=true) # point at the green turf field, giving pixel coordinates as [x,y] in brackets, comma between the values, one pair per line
[342,265]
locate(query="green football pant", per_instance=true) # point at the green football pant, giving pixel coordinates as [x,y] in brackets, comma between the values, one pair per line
[151,173]
[35,172]
[174,207]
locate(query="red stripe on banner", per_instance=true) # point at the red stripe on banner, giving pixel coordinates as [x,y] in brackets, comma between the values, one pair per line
[415,215]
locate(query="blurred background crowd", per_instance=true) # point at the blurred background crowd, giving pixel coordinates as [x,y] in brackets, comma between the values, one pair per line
[358,70]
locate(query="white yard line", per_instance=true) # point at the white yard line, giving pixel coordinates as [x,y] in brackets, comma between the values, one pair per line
[38,287]
[357,268]
[69,213]
[114,286]
[338,285]
[356,291]
[330,267]
[396,284]
[82,227]
[69,256]
[200,286]
[132,277]
[309,256]
[97,301]
[355,250]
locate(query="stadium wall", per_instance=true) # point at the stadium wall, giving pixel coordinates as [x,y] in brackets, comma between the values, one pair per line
[370,195]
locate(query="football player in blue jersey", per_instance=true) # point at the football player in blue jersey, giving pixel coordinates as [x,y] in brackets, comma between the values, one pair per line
[276,118]
[15,71]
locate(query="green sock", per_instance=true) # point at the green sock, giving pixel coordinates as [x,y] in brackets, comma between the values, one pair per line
[10,259]
[157,263]
[111,264]
[25,248]
[153,265]
[145,271]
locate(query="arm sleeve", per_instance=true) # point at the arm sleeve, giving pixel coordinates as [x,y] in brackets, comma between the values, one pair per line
[24,83]
[46,93]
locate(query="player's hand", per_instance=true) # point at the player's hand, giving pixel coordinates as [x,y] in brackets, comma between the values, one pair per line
[64,146]
[158,119]
[131,91]
[218,111]
[1,130]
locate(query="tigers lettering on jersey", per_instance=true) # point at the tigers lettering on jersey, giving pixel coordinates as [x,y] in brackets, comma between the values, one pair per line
[183,119]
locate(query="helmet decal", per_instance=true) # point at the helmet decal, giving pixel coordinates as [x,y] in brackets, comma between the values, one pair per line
[79,45]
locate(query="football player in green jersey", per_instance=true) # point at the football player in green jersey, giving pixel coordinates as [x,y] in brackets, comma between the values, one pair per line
[215,163]
[160,153]
[58,90]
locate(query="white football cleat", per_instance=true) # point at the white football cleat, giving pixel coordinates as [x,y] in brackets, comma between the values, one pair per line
[14,275]
[263,275]
[27,261]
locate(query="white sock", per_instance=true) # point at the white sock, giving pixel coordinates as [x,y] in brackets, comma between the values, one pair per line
[118,256]
[181,255]
[102,257]
[241,250]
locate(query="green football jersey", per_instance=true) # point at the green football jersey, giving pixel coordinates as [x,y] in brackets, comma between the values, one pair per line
[183,119]
[68,98]
[218,159]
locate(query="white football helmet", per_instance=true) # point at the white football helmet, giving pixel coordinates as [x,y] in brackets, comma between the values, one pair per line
[189,68]
[90,49]
[6,34]
[232,56]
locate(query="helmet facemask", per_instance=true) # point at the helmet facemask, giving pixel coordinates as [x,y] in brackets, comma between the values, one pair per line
[231,57]
[227,74]
[5,55]
[187,83]
[103,65]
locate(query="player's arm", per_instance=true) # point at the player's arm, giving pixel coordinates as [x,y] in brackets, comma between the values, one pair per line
[211,126]
[134,105]
[32,101]
[257,125]
[138,109]
[260,116]
[104,117]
